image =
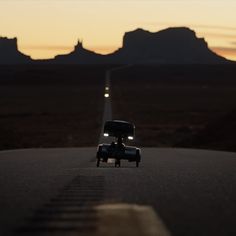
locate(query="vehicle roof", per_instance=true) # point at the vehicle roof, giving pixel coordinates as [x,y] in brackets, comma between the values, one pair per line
[119,128]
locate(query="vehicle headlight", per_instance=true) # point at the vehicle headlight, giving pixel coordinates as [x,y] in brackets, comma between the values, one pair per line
[106,134]
[130,137]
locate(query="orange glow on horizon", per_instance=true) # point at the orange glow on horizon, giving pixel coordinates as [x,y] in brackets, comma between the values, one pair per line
[229,53]
[104,50]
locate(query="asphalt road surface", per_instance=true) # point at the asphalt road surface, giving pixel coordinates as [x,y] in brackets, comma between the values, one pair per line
[192,191]
[173,192]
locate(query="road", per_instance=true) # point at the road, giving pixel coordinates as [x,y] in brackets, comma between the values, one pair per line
[193,192]
[173,192]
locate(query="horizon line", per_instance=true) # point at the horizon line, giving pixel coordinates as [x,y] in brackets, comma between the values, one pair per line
[227,52]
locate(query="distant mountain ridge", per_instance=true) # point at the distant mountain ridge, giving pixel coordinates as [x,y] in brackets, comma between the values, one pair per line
[170,46]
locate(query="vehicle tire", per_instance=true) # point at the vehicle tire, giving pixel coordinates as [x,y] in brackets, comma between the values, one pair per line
[138,157]
[98,162]
[98,159]
[117,163]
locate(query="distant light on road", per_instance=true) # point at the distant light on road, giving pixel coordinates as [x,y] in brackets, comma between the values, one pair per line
[106,135]
[106,88]
[131,138]
[106,95]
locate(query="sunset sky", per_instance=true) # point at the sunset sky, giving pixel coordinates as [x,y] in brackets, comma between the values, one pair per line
[45,28]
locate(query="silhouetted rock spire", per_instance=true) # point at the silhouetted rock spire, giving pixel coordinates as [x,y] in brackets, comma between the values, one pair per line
[80,55]
[79,45]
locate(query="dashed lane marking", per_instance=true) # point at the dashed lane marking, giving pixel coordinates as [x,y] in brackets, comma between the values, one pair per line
[128,219]
[71,212]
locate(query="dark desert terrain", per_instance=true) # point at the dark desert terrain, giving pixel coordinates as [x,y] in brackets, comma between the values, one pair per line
[171,106]
[50,106]
[178,106]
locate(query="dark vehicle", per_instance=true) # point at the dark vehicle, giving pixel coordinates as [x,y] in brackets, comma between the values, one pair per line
[121,131]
